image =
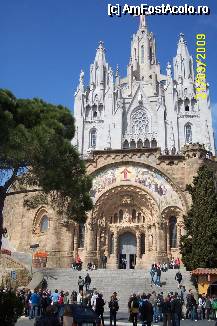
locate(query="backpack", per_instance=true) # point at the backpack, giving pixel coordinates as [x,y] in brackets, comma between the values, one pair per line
[214,305]
[135,303]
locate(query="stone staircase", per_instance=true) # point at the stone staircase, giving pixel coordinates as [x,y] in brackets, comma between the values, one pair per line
[124,282]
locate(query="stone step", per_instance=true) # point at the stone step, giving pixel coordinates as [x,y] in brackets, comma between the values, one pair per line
[124,282]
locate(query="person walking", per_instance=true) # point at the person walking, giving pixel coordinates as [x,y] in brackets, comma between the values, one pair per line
[113,308]
[80,284]
[87,282]
[99,307]
[146,311]
[178,278]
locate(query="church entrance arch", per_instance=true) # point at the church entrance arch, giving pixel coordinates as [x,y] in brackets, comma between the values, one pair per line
[127,251]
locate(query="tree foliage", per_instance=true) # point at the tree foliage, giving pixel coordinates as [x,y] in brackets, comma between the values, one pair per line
[198,246]
[36,156]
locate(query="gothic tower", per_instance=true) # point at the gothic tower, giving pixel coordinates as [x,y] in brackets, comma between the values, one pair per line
[144,109]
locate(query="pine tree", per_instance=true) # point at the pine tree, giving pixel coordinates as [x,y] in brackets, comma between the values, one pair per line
[37,157]
[199,245]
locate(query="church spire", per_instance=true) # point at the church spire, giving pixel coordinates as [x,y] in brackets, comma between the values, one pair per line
[183,62]
[142,22]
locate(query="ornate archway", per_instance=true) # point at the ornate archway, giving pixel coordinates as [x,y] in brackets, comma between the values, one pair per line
[130,198]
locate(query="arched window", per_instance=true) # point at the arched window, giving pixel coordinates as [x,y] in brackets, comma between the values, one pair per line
[173,231]
[142,54]
[188,133]
[139,121]
[139,143]
[132,144]
[44,223]
[81,235]
[121,214]
[133,215]
[93,138]
[142,244]
[153,143]
[146,143]
[115,218]
[139,217]
[94,114]
[125,144]
[111,244]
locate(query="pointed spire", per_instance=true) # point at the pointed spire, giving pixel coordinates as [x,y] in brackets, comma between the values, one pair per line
[117,71]
[100,53]
[142,23]
[169,69]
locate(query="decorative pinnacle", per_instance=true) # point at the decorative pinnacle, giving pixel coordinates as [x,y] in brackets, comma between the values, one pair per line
[117,71]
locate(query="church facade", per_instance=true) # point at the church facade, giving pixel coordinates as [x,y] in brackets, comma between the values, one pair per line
[143,138]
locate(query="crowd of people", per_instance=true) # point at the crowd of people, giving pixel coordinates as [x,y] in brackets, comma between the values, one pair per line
[48,307]
[168,308]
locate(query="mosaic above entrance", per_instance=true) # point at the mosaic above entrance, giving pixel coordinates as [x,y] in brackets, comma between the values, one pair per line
[117,175]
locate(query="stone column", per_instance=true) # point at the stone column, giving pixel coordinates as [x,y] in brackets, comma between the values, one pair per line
[146,241]
[90,252]
[168,238]
[98,245]
[107,243]
[138,249]
[154,238]
[178,235]
[116,247]
[138,245]
[75,240]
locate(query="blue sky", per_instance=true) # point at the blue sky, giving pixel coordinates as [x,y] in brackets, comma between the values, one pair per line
[45,43]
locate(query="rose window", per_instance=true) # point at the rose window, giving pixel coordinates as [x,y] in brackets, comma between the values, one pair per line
[139,122]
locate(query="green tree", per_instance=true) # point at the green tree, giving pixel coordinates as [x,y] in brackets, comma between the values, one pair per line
[198,246]
[36,156]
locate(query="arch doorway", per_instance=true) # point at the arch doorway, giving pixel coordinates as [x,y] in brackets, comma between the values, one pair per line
[127,251]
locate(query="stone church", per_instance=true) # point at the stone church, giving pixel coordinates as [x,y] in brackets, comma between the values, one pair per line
[143,138]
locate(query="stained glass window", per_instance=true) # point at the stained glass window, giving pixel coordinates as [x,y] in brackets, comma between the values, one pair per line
[44,224]
[139,122]
[188,133]
[93,138]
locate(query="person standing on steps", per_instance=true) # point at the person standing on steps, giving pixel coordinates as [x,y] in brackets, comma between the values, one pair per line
[104,261]
[113,308]
[158,276]
[87,282]
[80,283]
[152,273]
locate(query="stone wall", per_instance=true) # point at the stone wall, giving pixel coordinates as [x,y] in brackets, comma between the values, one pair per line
[8,265]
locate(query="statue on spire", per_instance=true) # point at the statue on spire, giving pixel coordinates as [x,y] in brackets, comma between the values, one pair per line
[142,21]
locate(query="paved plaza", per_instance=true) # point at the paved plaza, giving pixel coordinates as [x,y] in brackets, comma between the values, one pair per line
[123,320]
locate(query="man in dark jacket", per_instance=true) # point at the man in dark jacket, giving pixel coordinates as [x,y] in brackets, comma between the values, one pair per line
[99,307]
[87,282]
[113,307]
[176,310]
[49,319]
[146,311]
